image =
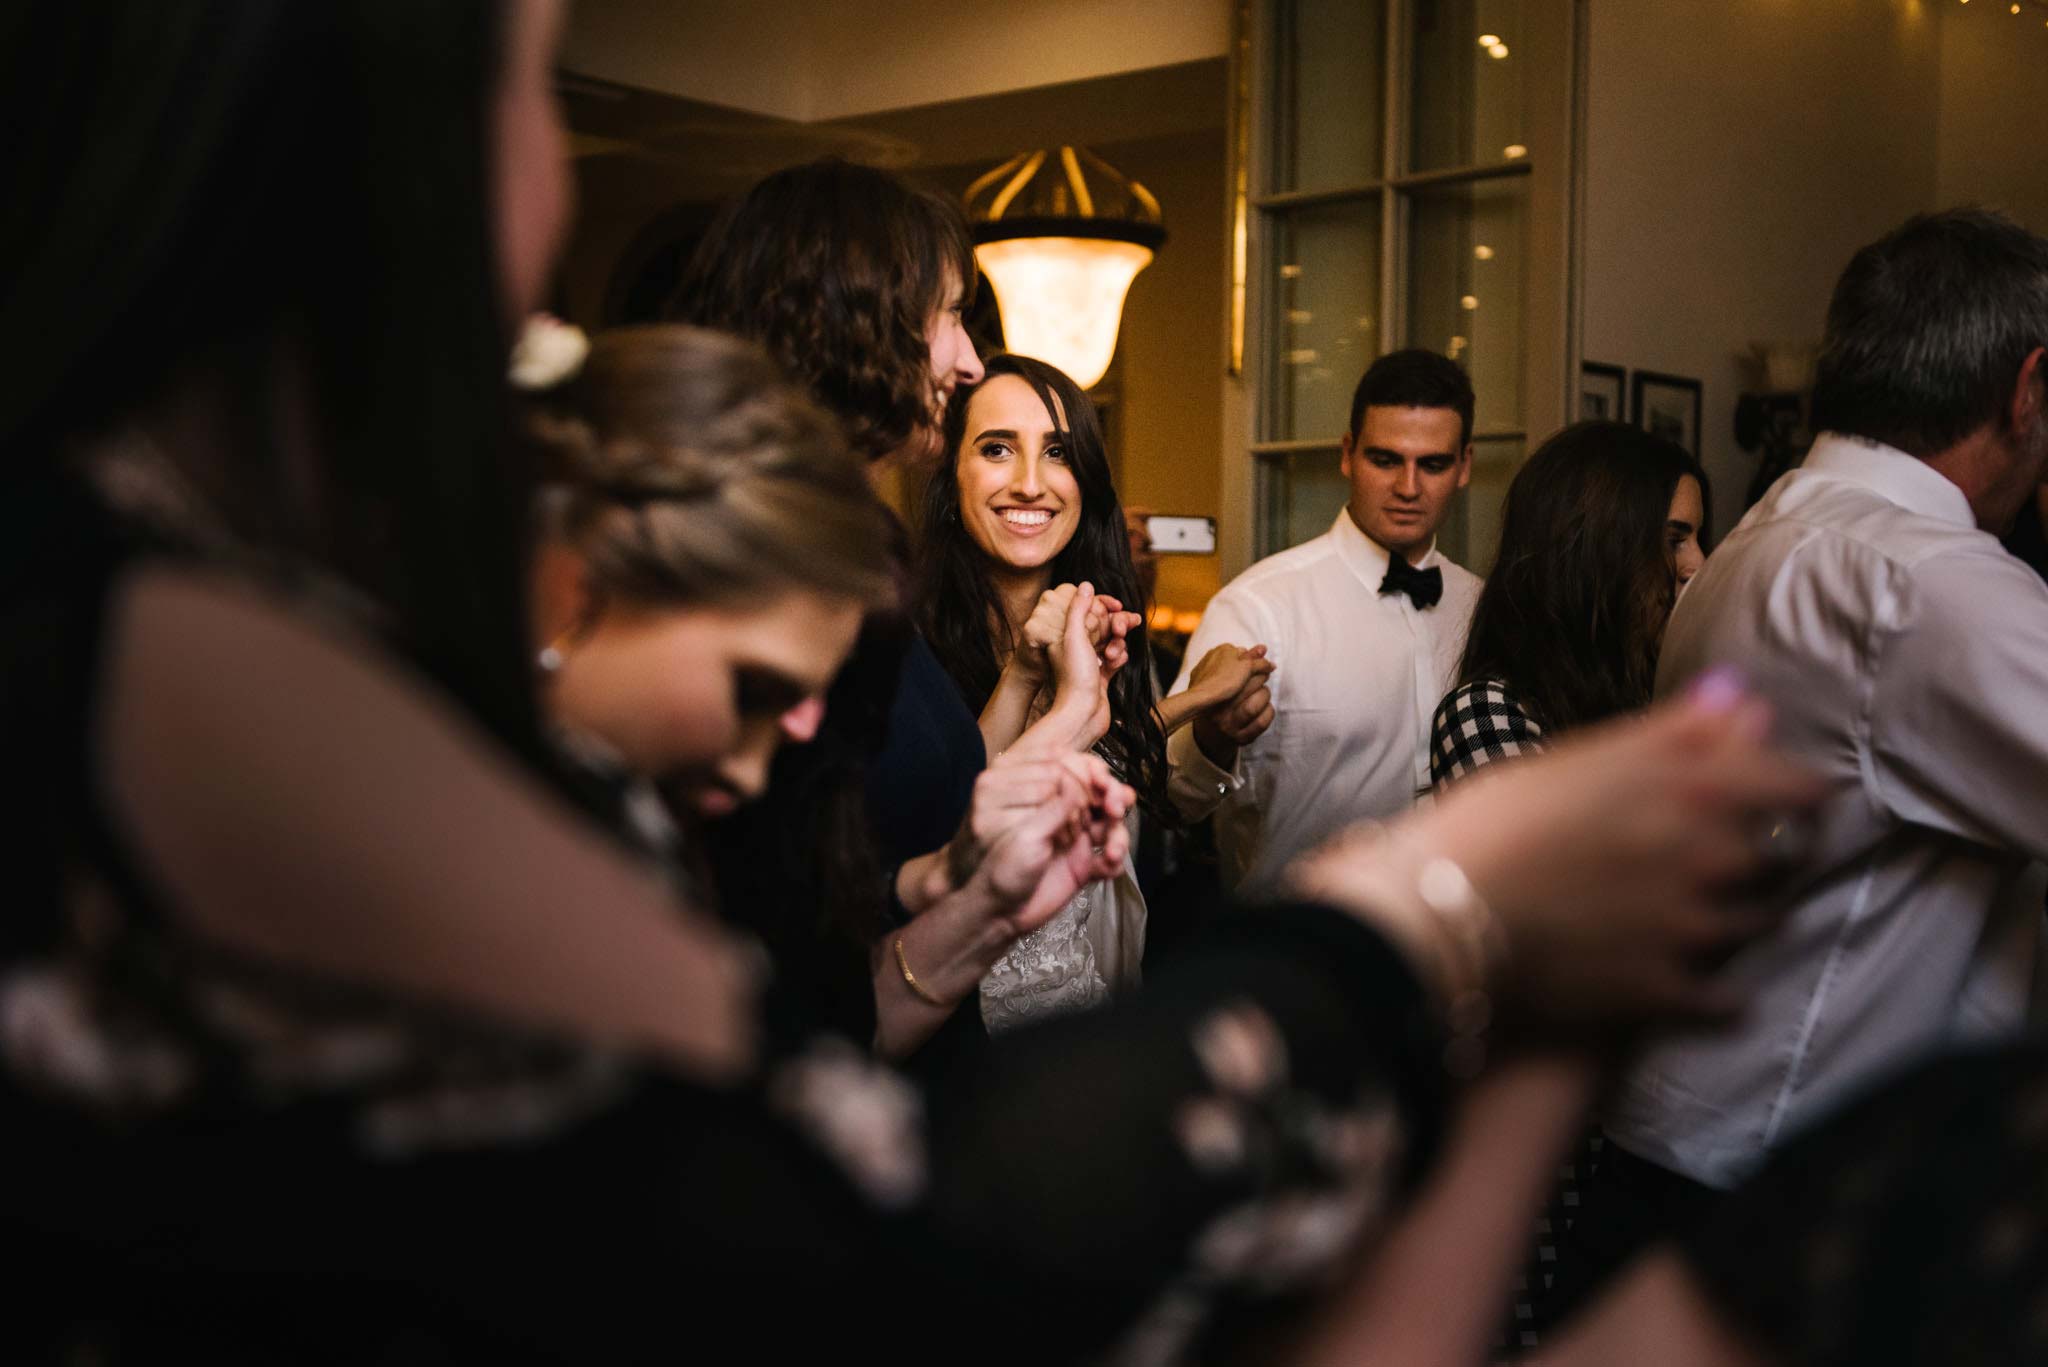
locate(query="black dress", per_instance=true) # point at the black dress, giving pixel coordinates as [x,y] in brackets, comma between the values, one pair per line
[921,783]
[810,868]
[213,1157]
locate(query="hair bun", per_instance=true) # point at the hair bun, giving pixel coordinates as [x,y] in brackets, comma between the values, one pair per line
[632,473]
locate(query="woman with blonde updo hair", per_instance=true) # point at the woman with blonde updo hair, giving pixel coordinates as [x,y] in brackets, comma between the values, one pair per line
[695,505]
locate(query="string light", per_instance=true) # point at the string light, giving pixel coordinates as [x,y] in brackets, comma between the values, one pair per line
[1497,51]
[1483,252]
[1489,39]
[1514,151]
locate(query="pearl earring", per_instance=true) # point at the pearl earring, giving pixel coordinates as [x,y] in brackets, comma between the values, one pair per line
[549,660]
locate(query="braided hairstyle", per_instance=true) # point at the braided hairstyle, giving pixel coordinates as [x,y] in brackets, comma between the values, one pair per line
[684,469]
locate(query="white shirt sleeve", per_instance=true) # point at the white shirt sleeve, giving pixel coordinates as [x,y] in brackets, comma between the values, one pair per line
[1959,710]
[1195,785]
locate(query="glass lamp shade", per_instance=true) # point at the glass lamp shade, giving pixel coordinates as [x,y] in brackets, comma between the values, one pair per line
[1061,234]
[1063,297]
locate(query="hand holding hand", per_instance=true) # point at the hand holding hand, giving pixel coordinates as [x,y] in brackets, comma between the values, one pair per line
[1226,672]
[1107,625]
[1060,846]
[1241,716]
[1042,631]
[1019,783]
[1080,707]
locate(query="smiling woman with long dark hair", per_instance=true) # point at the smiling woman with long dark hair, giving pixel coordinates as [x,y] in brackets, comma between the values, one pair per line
[1020,515]
[1023,502]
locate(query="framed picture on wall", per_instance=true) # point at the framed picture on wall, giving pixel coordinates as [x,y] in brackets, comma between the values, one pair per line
[1668,406]
[1601,391]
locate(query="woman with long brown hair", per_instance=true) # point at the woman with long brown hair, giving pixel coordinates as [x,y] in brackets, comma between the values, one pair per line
[1604,525]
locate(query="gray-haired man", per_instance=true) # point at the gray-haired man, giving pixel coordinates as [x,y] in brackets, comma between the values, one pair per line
[1906,655]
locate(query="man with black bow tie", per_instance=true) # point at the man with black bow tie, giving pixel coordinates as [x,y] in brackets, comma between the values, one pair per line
[1366,623]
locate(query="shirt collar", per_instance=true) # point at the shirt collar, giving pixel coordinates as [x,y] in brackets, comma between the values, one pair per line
[1906,480]
[1365,557]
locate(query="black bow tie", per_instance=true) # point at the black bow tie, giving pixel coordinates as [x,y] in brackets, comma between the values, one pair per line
[1423,587]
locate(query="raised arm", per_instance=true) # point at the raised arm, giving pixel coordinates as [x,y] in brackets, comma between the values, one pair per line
[1202,757]
[1230,680]
[1077,718]
[1048,668]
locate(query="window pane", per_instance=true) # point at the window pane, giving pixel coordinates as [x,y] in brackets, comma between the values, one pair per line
[1465,286]
[1326,296]
[1299,498]
[1329,86]
[1465,92]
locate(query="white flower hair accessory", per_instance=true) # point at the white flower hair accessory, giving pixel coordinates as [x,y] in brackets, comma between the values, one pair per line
[549,352]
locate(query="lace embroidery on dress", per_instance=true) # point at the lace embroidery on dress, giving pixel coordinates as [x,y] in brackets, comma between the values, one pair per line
[1050,972]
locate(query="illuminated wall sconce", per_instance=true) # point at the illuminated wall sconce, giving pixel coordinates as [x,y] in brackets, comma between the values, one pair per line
[1061,234]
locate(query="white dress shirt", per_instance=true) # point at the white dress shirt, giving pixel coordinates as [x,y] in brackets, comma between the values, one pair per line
[1359,677]
[1906,657]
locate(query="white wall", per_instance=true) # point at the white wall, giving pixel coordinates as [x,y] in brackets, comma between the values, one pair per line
[828,59]
[1994,90]
[1737,153]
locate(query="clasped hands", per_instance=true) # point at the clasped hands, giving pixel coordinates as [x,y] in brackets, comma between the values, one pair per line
[1228,696]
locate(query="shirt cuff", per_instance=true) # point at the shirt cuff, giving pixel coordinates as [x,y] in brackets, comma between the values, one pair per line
[1195,784]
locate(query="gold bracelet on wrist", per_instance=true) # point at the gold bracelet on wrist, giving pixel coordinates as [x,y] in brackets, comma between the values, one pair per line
[1439,918]
[917,989]
[1479,942]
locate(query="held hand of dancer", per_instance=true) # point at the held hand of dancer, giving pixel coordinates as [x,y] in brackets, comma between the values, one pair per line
[1042,631]
[1115,651]
[1242,716]
[1608,862]
[1227,672]
[1108,625]
[1019,783]
[1037,865]
[1079,715]
[1050,827]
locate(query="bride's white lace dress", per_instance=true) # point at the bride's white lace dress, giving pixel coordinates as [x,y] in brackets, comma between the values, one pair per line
[1082,957]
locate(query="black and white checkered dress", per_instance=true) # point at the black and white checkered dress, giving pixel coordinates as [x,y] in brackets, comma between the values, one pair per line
[1478,723]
